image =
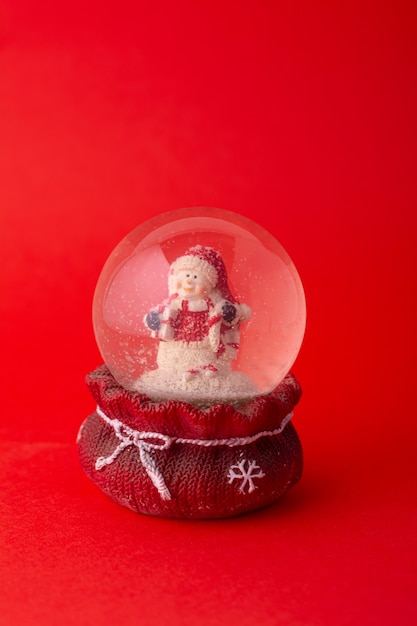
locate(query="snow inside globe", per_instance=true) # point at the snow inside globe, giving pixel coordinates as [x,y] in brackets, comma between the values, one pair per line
[199,305]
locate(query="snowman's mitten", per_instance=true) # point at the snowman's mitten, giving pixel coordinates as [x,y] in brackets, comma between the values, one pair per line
[153,320]
[228,312]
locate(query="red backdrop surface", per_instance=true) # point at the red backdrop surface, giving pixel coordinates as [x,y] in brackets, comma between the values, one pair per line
[298,115]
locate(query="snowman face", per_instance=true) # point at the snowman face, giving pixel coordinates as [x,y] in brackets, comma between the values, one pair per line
[191,284]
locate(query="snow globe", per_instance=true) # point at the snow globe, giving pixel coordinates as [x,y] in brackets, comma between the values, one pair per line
[199,315]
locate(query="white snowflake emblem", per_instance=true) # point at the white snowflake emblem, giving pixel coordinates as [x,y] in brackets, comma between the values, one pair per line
[246,471]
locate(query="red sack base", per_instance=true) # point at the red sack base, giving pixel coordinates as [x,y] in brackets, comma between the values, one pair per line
[172,459]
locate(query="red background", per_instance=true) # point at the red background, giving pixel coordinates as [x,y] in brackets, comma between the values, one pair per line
[300,115]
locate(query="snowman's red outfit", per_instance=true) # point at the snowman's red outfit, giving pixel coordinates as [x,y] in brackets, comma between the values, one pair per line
[193,324]
[199,334]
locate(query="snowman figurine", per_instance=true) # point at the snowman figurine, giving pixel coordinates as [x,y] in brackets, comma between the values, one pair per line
[198,331]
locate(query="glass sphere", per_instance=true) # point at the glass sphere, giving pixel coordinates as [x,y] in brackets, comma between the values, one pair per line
[201,305]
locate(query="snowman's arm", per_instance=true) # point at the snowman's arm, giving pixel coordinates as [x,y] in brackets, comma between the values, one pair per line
[153,319]
[160,320]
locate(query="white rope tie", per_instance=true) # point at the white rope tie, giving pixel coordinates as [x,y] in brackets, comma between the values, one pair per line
[147,442]
[130,437]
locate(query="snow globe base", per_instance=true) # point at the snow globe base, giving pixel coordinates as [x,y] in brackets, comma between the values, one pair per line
[177,460]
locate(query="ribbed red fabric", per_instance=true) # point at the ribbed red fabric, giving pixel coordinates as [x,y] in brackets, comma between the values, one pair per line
[210,479]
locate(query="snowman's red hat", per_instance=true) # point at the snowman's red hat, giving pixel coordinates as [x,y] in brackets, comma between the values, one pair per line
[207,261]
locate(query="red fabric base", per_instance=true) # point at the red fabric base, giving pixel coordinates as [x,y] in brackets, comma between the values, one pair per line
[202,481]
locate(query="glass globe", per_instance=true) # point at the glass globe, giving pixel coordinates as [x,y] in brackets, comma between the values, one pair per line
[201,305]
